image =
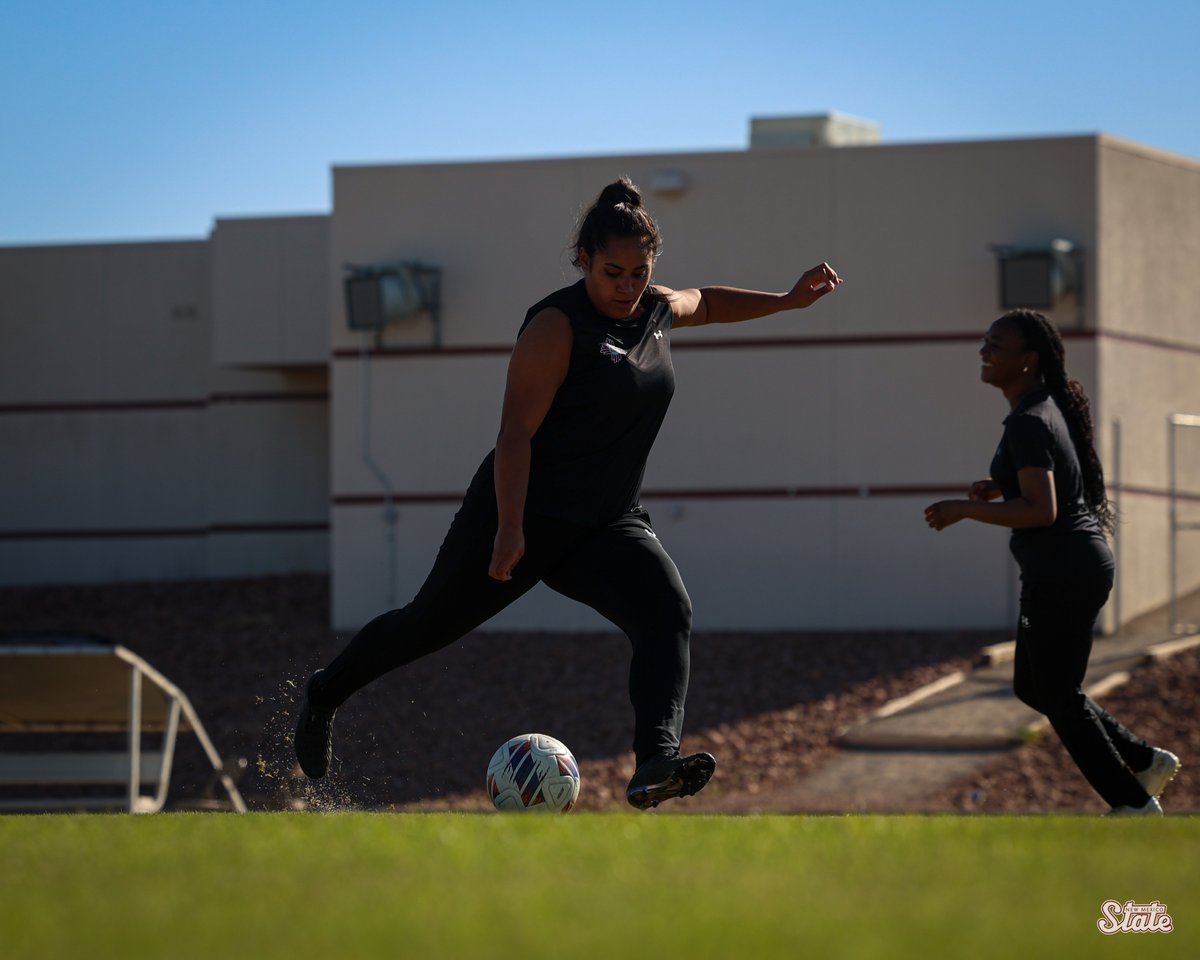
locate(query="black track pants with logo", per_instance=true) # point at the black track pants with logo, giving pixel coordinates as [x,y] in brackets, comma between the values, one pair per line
[1054,642]
[620,570]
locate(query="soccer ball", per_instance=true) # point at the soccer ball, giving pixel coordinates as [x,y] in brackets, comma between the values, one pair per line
[533,772]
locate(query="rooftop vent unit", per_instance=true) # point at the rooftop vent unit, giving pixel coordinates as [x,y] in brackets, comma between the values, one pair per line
[815,130]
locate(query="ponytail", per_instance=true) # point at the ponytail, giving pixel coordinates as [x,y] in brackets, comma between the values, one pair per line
[1043,339]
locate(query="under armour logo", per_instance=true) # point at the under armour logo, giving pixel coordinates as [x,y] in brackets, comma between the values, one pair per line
[657,334]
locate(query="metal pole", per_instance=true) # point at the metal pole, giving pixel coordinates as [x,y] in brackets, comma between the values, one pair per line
[390,514]
[1116,600]
[135,737]
[1172,528]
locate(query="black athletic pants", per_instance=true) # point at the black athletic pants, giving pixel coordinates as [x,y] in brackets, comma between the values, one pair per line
[1054,641]
[620,570]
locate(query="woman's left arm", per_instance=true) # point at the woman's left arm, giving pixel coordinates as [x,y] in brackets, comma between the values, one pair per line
[697,307]
[1035,507]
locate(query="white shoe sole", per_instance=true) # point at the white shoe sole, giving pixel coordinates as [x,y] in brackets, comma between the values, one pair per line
[1162,771]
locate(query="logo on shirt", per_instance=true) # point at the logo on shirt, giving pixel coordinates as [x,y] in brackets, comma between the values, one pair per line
[613,350]
[657,334]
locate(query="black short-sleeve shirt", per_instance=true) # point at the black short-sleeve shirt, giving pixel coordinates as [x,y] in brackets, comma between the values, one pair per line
[589,454]
[1036,435]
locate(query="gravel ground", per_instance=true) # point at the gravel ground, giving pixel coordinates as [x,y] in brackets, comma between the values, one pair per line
[769,706]
[1159,703]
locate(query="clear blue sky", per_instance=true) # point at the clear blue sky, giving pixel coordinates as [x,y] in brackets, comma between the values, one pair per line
[132,119]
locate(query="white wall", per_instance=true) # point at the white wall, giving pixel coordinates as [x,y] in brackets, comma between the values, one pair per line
[874,389]
[127,453]
[269,291]
[1149,291]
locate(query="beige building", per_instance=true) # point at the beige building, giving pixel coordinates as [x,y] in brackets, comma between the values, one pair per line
[142,439]
[204,409]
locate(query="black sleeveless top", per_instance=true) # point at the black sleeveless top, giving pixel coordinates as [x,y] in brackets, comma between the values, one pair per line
[589,454]
[1073,547]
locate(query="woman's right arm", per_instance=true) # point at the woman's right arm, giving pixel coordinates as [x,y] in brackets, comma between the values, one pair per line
[536,370]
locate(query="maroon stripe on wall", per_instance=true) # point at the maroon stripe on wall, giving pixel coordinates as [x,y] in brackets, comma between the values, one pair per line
[955,490]
[870,340]
[712,493]
[319,526]
[478,350]
[375,500]
[1153,342]
[774,343]
[103,406]
[158,533]
[778,343]
[788,493]
[310,396]
[1161,494]
[140,406]
[790,343]
[161,533]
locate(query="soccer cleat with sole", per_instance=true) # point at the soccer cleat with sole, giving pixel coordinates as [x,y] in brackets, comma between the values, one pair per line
[665,778]
[1162,770]
[314,735]
[1151,808]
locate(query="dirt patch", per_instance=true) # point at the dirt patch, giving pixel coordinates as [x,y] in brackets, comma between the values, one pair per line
[769,706]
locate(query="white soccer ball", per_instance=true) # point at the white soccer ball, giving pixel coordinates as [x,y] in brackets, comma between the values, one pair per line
[533,772]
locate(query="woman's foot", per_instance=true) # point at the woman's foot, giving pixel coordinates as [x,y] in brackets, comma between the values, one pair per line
[1152,808]
[664,778]
[1162,770]
[314,734]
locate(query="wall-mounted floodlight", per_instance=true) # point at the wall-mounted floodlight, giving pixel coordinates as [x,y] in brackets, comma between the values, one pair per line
[1038,277]
[380,294]
[669,182]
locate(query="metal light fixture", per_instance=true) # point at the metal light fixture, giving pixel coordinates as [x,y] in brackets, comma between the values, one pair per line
[669,182]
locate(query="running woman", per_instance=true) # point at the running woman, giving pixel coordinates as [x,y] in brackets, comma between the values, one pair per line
[556,501]
[1052,484]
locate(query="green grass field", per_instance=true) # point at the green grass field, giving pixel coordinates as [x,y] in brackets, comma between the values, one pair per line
[353,885]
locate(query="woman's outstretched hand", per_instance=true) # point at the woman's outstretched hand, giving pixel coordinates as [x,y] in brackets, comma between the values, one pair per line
[812,286]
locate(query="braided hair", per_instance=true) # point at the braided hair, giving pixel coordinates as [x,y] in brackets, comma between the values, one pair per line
[1042,338]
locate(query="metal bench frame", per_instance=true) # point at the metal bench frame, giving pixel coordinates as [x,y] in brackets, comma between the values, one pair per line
[132,767]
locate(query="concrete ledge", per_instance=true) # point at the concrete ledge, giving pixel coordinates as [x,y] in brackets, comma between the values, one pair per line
[863,738]
[872,736]
[898,733]
[921,693]
[1168,648]
[999,653]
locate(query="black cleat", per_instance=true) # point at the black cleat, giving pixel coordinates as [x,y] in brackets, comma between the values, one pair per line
[314,735]
[664,778]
